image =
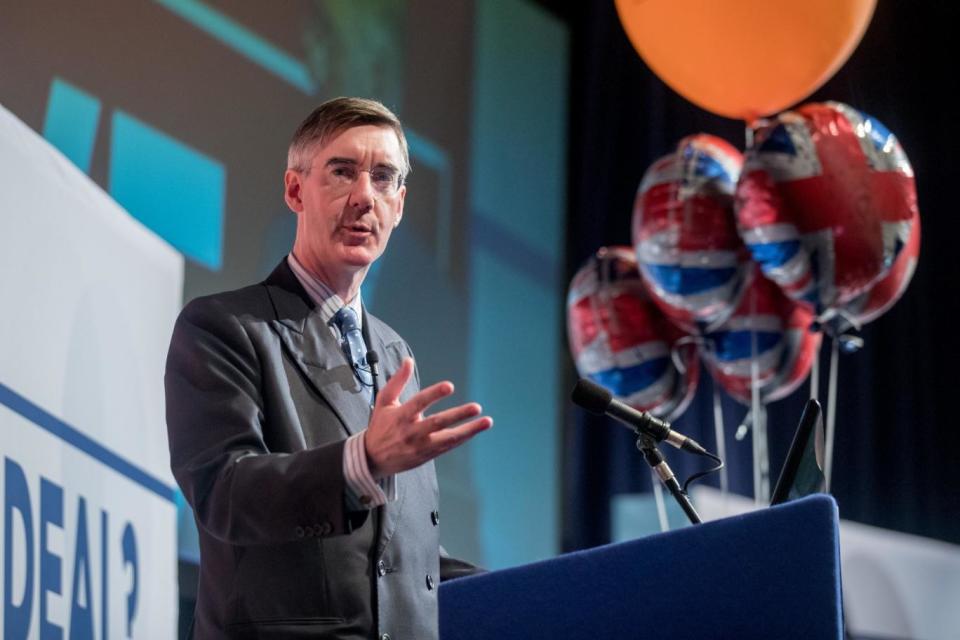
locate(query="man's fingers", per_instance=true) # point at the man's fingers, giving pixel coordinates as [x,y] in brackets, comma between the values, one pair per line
[444,419]
[391,391]
[447,439]
[419,402]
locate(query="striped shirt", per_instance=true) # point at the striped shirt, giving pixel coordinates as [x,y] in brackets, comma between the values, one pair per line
[363,492]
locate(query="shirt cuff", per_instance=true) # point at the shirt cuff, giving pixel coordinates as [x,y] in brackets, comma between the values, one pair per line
[363,492]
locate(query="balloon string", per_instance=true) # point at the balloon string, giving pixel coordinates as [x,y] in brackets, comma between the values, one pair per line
[758,490]
[764,455]
[721,440]
[831,410]
[659,501]
[815,374]
[605,296]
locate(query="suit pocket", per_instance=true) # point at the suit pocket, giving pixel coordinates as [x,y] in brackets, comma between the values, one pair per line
[280,584]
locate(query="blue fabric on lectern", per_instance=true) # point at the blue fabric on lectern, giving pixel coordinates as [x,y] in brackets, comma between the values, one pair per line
[771,574]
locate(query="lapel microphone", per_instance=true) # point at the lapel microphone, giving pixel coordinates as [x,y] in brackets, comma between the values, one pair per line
[373,361]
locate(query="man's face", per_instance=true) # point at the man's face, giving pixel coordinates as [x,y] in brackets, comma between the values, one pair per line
[346,204]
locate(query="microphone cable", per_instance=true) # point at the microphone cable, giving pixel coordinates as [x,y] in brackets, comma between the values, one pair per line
[700,474]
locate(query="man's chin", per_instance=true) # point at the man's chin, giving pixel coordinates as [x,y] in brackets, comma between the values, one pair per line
[359,257]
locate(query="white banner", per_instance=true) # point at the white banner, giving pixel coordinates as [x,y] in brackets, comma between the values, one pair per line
[88,297]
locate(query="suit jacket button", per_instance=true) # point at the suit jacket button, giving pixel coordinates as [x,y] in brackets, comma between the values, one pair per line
[299,532]
[429,582]
[381,569]
[435,517]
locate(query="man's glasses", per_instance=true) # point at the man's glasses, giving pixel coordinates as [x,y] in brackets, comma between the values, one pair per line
[343,176]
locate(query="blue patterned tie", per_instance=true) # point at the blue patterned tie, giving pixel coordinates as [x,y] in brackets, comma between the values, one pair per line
[354,348]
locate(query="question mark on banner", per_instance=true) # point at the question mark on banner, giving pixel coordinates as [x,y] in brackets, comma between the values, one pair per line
[130,558]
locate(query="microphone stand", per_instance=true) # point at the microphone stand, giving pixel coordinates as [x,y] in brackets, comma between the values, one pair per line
[648,447]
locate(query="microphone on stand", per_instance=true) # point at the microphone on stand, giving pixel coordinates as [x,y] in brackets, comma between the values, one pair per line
[600,401]
[656,461]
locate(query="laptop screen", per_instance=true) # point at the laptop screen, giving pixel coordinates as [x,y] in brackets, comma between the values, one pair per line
[802,472]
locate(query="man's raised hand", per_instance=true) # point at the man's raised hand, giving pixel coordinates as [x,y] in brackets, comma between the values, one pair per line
[400,437]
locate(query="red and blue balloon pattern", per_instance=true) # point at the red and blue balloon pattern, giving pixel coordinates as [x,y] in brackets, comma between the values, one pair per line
[619,338]
[826,203]
[689,253]
[766,330]
[816,229]
[882,295]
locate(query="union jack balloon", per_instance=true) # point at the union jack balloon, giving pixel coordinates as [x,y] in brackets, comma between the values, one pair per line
[882,295]
[685,235]
[768,329]
[825,203]
[619,339]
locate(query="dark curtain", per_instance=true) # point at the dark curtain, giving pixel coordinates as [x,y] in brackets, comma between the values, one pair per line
[897,437]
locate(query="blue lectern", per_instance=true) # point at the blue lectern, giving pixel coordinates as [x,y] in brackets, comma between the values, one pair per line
[770,574]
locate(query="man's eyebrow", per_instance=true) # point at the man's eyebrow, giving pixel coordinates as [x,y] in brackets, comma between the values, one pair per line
[338,161]
[386,165]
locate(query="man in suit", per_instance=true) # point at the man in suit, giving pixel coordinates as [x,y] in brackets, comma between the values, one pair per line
[310,473]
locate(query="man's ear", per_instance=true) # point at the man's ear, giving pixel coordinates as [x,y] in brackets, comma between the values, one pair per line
[292,192]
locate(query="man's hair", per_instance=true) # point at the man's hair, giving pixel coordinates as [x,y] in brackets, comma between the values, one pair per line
[333,117]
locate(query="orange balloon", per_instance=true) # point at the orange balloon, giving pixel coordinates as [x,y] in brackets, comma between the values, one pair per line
[745,58]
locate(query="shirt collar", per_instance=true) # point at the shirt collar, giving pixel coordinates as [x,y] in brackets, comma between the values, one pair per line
[328,302]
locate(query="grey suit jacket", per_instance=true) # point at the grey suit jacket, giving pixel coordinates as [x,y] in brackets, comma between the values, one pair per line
[260,400]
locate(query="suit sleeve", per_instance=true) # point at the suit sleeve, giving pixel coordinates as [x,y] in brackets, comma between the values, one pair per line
[240,492]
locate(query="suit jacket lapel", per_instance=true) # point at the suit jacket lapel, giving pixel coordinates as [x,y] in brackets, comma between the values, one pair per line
[316,352]
[314,349]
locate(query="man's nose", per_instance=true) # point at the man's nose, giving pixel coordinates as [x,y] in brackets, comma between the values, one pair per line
[362,193]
